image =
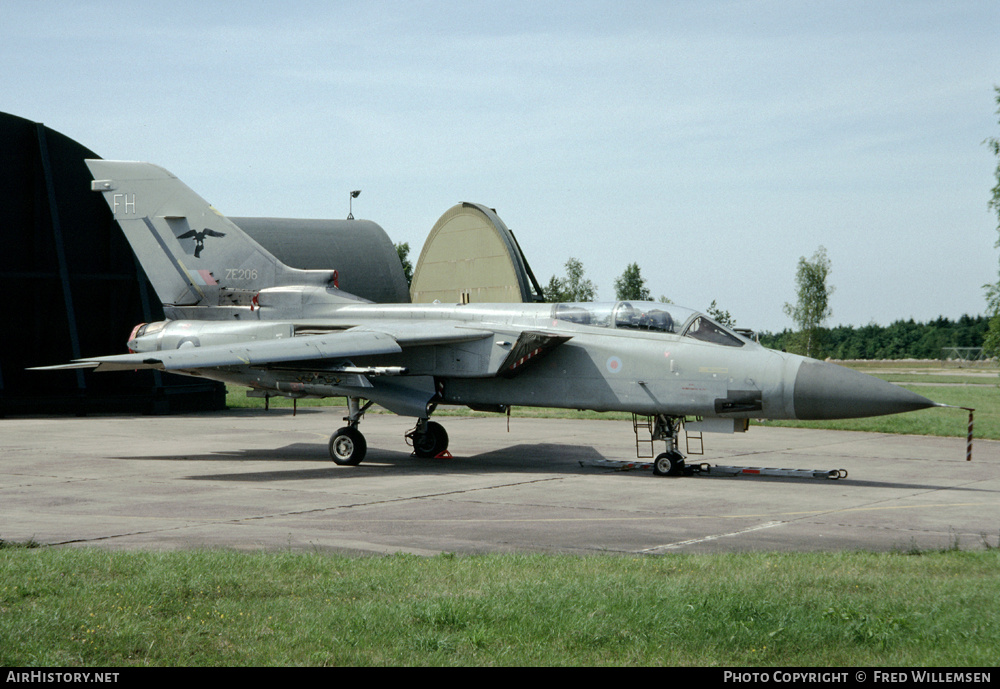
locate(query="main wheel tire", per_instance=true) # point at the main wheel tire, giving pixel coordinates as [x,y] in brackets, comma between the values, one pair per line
[432,442]
[348,446]
[661,465]
[669,464]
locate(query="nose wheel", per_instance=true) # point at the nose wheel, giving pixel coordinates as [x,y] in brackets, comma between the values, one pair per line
[669,464]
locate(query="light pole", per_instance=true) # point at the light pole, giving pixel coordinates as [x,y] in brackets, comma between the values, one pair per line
[350,203]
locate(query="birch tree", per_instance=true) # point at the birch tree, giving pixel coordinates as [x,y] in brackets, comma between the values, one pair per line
[813,305]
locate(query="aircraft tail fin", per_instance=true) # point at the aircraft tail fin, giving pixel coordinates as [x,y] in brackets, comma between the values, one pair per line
[192,254]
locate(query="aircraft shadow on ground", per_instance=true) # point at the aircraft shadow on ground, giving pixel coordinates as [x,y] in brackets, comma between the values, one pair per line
[529,459]
[540,458]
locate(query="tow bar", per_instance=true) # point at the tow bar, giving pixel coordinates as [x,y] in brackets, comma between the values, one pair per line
[706,469]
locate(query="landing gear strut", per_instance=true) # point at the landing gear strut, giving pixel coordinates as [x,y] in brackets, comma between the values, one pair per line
[348,446]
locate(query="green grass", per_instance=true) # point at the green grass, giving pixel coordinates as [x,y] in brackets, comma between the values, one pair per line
[89,607]
[919,365]
[236,398]
[924,378]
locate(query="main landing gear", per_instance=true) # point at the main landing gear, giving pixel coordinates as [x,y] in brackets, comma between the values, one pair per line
[348,445]
[429,439]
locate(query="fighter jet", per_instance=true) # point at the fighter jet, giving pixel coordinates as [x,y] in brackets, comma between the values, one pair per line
[238,315]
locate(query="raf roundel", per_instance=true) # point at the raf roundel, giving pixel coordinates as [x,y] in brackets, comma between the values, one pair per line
[614,365]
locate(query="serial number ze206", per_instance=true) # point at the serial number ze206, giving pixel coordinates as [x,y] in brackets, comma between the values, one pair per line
[241,273]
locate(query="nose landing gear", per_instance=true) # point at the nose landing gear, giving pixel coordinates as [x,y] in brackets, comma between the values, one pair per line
[667,429]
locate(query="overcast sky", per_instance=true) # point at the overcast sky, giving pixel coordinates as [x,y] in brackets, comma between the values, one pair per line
[713,143]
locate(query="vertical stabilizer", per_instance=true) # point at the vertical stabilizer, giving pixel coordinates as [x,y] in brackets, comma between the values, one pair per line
[192,254]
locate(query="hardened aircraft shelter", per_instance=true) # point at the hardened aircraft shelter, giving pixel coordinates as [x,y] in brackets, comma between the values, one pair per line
[73,287]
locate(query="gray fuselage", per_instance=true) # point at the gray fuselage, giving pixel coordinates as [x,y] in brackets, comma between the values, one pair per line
[641,357]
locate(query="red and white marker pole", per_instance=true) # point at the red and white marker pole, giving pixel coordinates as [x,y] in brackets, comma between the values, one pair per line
[968,444]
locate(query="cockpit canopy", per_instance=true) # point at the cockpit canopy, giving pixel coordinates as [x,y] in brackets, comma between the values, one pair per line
[648,316]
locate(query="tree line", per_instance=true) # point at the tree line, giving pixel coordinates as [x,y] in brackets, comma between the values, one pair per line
[901,340]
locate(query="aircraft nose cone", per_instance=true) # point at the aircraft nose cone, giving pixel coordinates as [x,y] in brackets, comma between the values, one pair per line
[827,391]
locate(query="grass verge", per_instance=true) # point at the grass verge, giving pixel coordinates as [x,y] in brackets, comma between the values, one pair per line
[89,607]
